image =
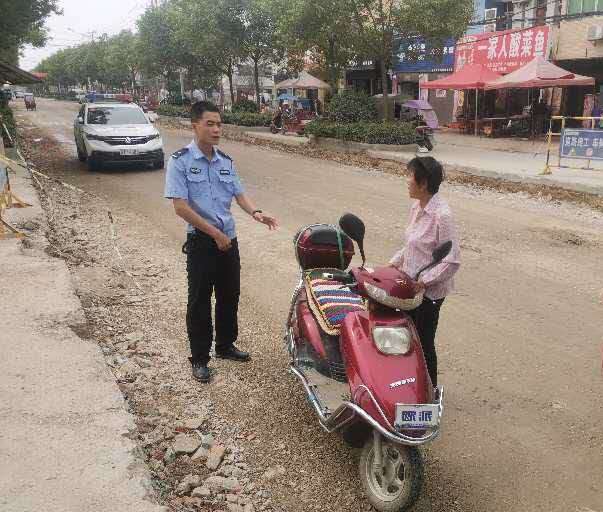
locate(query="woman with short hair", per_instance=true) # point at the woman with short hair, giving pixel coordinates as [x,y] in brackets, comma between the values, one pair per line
[430,224]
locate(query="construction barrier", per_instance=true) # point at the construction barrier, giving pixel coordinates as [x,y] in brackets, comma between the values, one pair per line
[8,199]
[575,143]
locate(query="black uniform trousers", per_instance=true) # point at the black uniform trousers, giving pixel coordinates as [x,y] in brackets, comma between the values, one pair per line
[211,270]
[426,318]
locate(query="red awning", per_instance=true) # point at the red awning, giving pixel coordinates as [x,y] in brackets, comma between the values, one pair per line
[471,76]
[539,73]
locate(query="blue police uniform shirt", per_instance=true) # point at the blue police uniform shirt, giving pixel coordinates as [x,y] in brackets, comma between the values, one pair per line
[207,186]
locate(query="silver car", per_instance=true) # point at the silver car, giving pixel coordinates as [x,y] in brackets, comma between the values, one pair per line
[108,133]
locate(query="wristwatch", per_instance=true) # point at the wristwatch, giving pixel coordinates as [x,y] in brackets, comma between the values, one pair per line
[256,211]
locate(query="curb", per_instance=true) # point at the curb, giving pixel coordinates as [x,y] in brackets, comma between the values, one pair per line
[392,153]
[64,402]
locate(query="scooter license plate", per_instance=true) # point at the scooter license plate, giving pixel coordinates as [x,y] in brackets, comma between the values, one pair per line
[128,152]
[423,416]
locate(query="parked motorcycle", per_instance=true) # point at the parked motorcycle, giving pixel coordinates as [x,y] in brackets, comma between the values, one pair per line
[424,138]
[422,113]
[359,359]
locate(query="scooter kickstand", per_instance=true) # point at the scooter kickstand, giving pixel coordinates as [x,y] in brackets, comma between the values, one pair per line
[378,452]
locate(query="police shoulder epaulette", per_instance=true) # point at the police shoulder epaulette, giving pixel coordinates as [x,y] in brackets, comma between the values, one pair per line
[179,153]
[221,153]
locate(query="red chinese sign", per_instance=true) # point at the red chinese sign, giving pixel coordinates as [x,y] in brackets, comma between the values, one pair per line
[504,51]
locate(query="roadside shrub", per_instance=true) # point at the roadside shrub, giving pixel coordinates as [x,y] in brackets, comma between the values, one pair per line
[397,133]
[247,118]
[237,118]
[244,106]
[352,106]
[173,111]
[6,116]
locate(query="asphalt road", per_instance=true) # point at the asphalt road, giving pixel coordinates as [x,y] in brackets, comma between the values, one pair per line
[519,343]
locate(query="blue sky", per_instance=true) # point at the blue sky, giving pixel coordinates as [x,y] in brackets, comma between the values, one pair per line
[80,18]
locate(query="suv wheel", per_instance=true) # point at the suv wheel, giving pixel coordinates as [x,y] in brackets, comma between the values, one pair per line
[159,164]
[92,164]
[81,156]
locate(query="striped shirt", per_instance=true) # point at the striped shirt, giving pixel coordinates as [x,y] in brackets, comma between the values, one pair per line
[428,228]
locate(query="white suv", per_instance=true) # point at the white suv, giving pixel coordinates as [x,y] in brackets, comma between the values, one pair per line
[116,133]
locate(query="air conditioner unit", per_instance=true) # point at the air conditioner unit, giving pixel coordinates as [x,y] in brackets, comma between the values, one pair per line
[490,14]
[490,27]
[595,33]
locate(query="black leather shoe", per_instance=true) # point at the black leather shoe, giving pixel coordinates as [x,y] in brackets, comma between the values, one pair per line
[234,354]
[201,372]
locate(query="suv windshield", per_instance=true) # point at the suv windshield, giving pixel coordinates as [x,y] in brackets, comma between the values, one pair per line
[116,116]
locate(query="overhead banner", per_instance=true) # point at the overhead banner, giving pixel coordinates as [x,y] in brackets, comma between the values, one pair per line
[503,51]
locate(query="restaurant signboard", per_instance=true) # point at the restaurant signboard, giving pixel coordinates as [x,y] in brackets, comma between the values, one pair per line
[503,51]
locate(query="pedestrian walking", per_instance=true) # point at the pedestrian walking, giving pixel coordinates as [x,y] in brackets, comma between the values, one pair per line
[430,225]
[202,181]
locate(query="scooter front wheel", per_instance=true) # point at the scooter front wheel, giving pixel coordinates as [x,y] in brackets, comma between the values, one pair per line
[396,485]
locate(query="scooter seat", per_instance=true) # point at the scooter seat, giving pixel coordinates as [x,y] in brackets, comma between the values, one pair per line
[329,300]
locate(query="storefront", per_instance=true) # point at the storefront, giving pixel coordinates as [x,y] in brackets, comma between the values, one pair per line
[416,63]
[501,52]
[579,49]
[366,76]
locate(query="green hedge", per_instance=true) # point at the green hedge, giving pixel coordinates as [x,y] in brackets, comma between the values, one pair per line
[58,96]
[398,133]
[245,106]
[351,107]
[9,121]
[173,110]
[237,118]
[247,118]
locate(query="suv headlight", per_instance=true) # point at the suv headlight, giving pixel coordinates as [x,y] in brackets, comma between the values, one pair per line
[89,136]
[154,136]
[392,340]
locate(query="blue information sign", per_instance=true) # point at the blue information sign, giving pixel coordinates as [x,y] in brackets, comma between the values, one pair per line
[584,144]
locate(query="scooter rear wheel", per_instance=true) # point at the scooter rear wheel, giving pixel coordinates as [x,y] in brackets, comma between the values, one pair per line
[397,486]
[428,143]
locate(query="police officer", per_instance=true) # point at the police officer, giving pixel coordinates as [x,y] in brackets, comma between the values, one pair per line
[202,181]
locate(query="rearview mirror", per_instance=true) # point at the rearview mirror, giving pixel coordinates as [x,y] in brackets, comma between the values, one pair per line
[355,229]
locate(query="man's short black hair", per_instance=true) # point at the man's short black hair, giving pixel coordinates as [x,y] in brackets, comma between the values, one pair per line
[199,108]
[428,170]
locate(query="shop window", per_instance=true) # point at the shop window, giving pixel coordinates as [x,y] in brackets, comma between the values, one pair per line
[590,5]
[540,18]
[584,6]
[507,23]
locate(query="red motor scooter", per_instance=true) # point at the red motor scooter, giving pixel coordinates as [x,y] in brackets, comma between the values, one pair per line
[360,361]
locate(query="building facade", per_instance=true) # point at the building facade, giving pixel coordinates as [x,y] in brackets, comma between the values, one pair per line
[578,48]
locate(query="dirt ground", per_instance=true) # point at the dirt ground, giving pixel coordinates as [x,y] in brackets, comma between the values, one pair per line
[519,343]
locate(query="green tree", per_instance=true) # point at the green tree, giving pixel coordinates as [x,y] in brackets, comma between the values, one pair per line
[260,39]
[379,22]
[22,22]
[213,33]
[160,51]
[124,57]
[325,28]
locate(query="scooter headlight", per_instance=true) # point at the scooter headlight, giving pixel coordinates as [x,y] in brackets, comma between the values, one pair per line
[392,340]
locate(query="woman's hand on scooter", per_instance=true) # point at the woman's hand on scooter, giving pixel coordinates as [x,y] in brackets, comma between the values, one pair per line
[419,286]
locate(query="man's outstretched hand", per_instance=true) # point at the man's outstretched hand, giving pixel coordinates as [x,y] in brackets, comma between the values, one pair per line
[264,218]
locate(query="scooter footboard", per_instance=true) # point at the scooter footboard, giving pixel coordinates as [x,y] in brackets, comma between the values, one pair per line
[349,412]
